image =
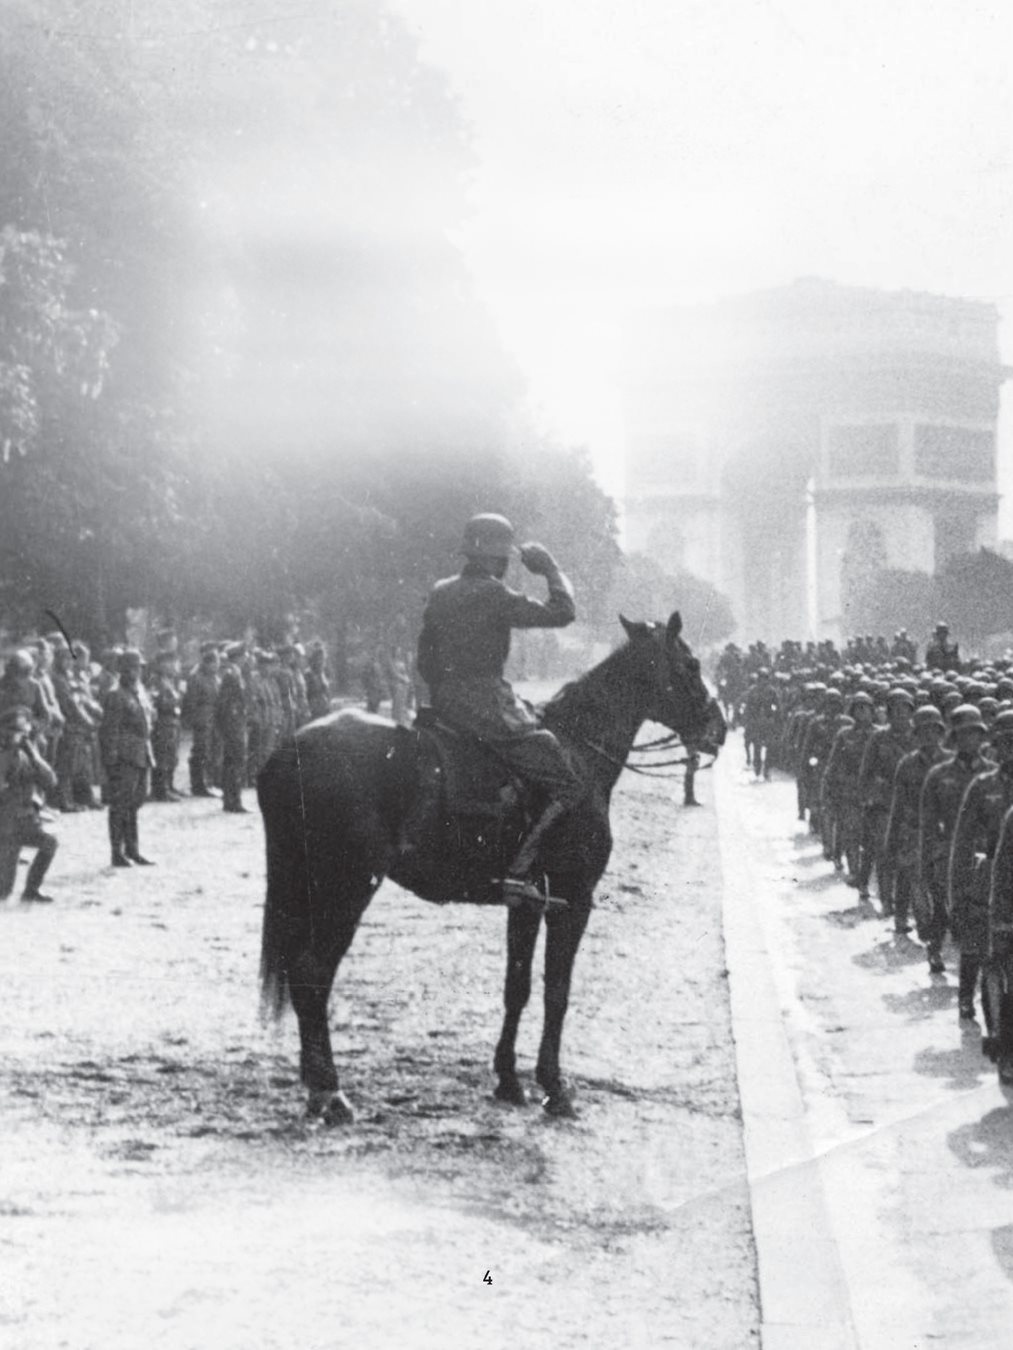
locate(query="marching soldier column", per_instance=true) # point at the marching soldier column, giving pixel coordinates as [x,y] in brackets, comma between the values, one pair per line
[905,771]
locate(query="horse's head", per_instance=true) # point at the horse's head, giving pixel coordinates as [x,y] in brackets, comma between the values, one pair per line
[669,675]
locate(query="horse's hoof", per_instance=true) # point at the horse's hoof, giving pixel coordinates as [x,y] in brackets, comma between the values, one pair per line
[559,1105]
[329,1108]
[511,1091]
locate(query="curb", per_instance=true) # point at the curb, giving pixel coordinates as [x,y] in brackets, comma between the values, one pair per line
[804,1300]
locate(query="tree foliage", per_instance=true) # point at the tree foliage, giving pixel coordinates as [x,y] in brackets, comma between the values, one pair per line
[243,369]
[973,593]
[643,590]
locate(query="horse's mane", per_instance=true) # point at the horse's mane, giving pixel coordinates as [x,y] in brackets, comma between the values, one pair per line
[590,697]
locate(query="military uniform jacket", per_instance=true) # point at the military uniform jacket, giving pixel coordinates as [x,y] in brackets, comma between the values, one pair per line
[762,707]
[200,699]
[71,704]
[817,744]
[975,840]
[125,732]
[884,751]
[942,656]
[465,641]
[844,763]
[1000,899]
[942,794]
[166,700]
[231,709]
[23,776]
[902,830]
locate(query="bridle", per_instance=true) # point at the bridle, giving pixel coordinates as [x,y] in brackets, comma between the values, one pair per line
[650,770]
[656,768]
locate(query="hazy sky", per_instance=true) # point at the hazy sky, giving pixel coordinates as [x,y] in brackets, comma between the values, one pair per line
[649,151]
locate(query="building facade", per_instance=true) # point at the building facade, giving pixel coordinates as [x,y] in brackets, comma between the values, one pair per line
[787,443]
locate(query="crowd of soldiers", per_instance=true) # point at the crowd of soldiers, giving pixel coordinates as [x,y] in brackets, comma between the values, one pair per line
[904,770]
[78,735]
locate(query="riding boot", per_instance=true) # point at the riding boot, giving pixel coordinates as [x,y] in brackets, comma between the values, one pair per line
[132,850]
[38,869]
[117,839]
[524,859]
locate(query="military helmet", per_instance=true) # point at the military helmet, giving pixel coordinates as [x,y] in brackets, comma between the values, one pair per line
[130,659]
[899,695]
[928,715]
[1003,724]
[860,697]
[488,536]
[15,716]
[833,697]
[21,662]
[967,716]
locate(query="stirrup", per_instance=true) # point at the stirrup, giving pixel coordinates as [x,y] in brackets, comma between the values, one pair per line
[517,891]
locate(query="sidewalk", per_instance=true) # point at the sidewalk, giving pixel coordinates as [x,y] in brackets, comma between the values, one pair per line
[879,1145]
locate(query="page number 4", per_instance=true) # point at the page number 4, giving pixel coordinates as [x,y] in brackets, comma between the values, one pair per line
[487,1278]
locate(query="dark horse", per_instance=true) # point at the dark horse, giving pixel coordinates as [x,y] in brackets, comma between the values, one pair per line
[333,813]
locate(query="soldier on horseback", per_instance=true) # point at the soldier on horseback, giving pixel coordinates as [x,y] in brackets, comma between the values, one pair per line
[462,651]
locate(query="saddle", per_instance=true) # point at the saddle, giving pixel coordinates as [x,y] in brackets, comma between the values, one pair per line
[462,813]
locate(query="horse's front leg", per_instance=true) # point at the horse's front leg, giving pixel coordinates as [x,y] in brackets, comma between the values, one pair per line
[522,934]
[564,930]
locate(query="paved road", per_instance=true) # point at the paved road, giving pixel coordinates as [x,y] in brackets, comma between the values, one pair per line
[880,1144]
[159,1188]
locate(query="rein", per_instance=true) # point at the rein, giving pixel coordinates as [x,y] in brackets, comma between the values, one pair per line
[652,770]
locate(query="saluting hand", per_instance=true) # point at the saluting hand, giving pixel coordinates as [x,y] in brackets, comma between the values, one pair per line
[537,559]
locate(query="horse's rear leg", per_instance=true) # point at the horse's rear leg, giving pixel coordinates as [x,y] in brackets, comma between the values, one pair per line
[522,934]
[311,976]
[564,930]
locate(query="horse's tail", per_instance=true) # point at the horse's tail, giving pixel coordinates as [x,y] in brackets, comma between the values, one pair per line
[287,876]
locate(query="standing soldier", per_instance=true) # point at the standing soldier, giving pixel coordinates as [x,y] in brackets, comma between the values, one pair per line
[44,679]
[125,742]
[841,780]
[886,748]
[941,653]
[105,682]
[997,982]
[25,778]
[199,714]
[975,839]
[274,718]
[902,831]
[942,796]
[75,744]
[167,706]
[318,687]
[88,769]
[231,717]
[760,715]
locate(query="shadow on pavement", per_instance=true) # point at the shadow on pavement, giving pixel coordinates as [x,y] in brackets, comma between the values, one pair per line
[890,954]
[918,1004]
[987,1143]
[851,917]
[964,1067]
[821,883]
[1002,1246]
